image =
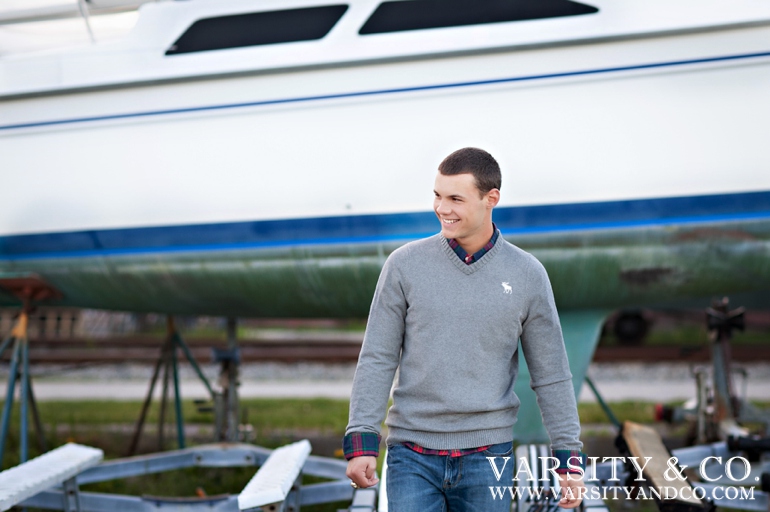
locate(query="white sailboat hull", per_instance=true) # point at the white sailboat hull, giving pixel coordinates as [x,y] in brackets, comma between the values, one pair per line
[674,115]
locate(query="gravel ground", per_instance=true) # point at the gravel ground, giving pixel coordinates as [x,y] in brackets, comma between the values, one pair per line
[616,381]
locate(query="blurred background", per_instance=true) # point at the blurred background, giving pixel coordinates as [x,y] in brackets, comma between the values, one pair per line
[198,197]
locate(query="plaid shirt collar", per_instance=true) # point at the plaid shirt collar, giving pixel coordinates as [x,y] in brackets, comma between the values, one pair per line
[472,258]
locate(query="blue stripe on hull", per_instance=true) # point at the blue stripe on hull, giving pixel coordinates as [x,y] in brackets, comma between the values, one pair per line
[382,228]
[379,92]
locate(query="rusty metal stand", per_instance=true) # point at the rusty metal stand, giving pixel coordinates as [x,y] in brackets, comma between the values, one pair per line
[19,373]
[227,405]
[168,360]
[721,322]
[28,289]
[719,413]
[230,360]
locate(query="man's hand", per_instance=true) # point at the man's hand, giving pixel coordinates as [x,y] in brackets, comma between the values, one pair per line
[572,490]
[361,471]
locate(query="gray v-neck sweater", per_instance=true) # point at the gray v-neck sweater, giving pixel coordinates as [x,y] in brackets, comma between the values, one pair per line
[452,330]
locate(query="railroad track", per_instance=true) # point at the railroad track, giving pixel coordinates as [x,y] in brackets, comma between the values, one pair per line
[143,349]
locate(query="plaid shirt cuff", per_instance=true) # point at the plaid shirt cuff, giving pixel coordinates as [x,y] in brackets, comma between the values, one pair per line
[574,458]
[361,444]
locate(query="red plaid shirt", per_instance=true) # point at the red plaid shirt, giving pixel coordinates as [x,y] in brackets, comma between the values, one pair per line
[451,453]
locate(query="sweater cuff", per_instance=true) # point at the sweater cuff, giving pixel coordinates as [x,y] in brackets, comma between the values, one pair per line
[361,444]
[574,458]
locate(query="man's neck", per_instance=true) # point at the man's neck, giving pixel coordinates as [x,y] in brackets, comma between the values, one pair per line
[474,244]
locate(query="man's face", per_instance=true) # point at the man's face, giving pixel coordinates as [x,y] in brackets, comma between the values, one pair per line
[460,208]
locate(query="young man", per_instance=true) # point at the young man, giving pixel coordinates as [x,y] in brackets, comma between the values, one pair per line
[448,312]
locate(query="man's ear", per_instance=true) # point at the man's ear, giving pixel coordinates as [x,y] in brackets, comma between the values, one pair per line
[493,197]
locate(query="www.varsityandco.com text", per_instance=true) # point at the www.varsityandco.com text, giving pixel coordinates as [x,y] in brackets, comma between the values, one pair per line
[531,483]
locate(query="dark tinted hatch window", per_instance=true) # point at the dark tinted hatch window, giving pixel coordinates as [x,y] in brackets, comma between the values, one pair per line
[258,28]
[420,14]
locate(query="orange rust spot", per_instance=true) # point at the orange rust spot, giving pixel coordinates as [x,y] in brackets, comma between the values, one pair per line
[29,288]
[19,330]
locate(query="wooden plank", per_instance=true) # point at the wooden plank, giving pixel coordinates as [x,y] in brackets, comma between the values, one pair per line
[53,468]
[645,442]
[272,482]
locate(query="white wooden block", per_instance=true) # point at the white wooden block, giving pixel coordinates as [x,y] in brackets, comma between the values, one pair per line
[273,481]
[43,472]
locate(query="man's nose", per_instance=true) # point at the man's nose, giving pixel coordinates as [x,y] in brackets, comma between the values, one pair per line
[442,207]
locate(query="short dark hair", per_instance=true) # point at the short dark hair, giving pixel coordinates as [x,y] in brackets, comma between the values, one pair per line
[475,161]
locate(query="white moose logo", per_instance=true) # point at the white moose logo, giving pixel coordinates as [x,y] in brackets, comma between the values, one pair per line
[507,288]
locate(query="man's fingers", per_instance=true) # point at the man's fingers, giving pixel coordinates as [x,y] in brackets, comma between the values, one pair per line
[571,494]
[361,471]
[369,474]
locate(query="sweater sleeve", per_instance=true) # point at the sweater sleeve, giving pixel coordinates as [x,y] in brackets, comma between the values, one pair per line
[380,352]
[546,356]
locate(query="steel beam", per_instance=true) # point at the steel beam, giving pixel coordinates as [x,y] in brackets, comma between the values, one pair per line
[215,456]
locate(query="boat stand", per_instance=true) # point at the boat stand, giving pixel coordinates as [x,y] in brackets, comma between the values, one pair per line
[168,361]
[227,408]
[717,412]
[28,289]
[19,373]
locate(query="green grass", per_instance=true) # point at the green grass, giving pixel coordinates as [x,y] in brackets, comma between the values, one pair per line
[314,413]
[638,412]
[270,417]
[317,414]
[323,414]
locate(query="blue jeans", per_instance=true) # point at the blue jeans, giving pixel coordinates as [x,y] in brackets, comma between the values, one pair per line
[437,483]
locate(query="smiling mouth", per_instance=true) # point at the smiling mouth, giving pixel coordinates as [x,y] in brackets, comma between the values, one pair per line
[449,221]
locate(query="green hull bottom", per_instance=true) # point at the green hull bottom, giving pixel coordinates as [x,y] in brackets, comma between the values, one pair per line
[663,265]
